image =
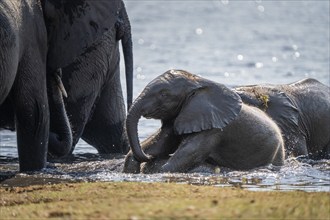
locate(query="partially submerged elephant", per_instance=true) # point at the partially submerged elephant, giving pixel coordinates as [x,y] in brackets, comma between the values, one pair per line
[83,40]
[201,121]
[301,110]
[23,92]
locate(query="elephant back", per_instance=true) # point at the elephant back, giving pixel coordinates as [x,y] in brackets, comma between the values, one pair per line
[73,27]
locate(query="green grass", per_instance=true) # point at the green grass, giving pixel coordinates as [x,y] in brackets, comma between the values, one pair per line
[158,200]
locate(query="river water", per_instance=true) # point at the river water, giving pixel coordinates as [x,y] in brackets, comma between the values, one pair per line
[231,42]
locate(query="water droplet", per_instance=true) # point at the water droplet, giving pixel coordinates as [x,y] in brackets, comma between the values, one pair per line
[152,46]
[295,47]
[225,2]
[140,41]
[140,76]
[297,54]
[139,69]
[217,53]
[261,8]
[259,65]
[240,57]
[226,74]
[274,59]
[199,31]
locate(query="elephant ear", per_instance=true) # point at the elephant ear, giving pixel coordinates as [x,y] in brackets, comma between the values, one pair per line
[282,109]
[75,26]
[211,106]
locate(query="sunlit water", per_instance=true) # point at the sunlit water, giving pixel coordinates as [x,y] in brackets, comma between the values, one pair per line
[231,42]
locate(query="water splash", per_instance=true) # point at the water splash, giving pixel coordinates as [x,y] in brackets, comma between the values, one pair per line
[296,174]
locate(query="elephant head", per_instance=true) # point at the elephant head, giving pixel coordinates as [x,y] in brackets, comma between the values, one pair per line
[191,102]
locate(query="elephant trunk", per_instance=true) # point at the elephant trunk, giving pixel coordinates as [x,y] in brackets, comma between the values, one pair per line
[124,33]
[60,136]
[128,56]
[132,120]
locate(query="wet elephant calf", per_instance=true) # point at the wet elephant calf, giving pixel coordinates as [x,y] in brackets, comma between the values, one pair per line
[201,121]
[302,111]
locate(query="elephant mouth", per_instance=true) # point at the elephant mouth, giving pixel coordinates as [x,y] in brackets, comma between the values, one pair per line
[152,115]
[155,114]
[158,114]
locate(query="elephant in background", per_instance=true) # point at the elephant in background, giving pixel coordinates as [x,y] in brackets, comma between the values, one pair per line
[23,92]
[202,121]
[83,38]
[301,110]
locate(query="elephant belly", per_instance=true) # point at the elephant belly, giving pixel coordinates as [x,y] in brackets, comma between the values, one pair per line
[251,141]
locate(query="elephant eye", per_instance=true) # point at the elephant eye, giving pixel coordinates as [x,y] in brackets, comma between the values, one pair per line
[164,93]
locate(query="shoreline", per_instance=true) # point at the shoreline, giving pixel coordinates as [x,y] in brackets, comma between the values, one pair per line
[133,200]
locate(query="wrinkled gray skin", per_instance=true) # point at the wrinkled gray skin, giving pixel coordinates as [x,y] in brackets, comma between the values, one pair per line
[202,121]
[60,136]
[83,40]
[23,92]
[301,110]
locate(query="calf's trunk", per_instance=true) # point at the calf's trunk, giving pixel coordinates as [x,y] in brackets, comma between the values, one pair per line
[132,120]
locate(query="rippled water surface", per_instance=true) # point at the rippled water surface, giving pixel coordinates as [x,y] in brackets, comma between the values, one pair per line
[231,42]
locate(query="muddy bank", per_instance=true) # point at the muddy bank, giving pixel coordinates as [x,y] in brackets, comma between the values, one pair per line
[128,200]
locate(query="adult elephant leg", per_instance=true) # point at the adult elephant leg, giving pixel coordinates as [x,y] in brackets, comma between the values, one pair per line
[8,66]
[32,114]
[105,129]
[86,81]
[82,95]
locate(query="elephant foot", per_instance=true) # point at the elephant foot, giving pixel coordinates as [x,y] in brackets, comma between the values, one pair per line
[131,165]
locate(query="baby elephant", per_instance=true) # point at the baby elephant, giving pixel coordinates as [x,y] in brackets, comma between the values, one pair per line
[202,121]
[301,110]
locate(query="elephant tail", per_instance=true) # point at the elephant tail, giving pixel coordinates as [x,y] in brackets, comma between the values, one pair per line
[123,33]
